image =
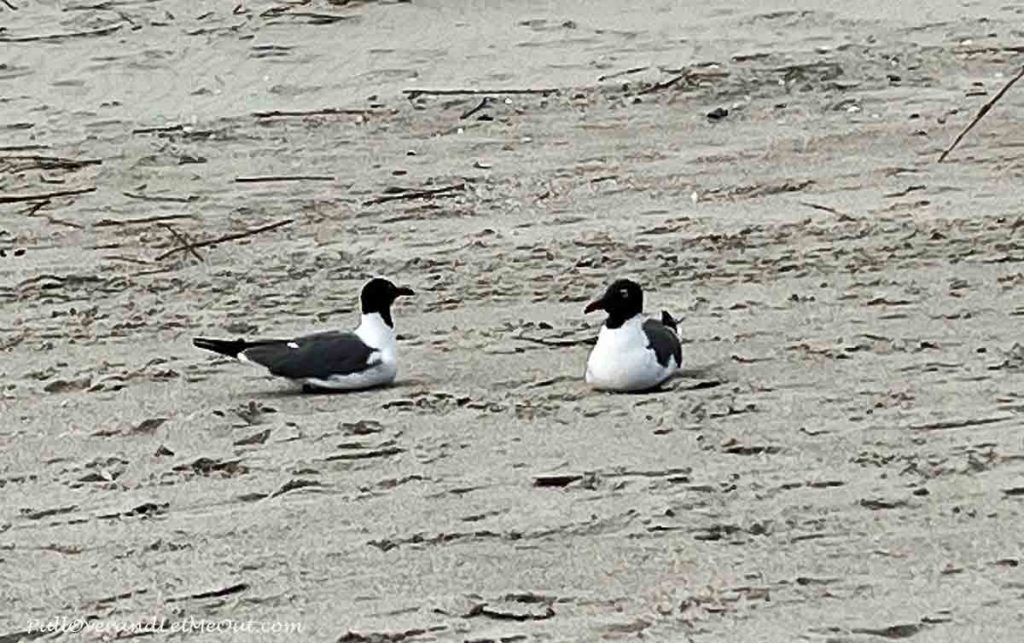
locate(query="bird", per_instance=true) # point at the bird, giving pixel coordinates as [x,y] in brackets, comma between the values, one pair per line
[332,360]
[633,353]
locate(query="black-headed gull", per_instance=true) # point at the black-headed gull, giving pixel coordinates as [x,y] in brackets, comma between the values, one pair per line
[334,360]
[633,353]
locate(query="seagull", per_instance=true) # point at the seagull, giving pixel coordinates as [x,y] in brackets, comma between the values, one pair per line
[334,360]
[633,353]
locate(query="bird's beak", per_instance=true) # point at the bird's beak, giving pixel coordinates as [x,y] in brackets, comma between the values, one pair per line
[597,304]
[403,291]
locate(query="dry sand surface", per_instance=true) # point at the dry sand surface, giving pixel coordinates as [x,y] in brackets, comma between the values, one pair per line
[842,460]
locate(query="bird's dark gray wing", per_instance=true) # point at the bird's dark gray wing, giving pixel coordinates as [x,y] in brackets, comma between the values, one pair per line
[663,342]
[320,355]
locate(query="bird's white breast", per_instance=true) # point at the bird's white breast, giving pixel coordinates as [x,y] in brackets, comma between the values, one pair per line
[622,361]
[377,334]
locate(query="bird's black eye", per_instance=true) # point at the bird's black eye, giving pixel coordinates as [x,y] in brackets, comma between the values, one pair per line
[624,293]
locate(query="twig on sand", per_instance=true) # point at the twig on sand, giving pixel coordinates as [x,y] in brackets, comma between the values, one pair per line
[626,72]
[185,243]
[283,8]
[484,102]
[559,343]
[316,18]
[825,208]
[22,148]
[990,50]
[227,237]
[136,260]
[657,87]
[326,111]
[216,593]
[31,210]
[981,113]
[42,196]
[159,128]
[68,224]
[161,198]
[286,10]
[278,179]
[9,5]
[34,161]
[99,6]
[103,31]
[413,93]
[107,223]
[417,194]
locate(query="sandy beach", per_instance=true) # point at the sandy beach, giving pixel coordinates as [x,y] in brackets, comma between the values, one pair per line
[841,461]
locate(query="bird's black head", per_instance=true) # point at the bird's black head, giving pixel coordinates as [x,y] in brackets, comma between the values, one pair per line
[378,295]
[622,300]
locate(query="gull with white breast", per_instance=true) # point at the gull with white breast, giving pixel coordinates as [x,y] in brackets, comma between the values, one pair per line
[633,353]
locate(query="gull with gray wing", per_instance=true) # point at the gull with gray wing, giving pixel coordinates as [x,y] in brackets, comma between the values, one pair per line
[633,353]
[333,360]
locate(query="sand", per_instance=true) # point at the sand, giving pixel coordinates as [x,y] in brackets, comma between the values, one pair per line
[841,461]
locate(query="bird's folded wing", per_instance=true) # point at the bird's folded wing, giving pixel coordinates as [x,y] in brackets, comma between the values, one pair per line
[663,341]
[319,356]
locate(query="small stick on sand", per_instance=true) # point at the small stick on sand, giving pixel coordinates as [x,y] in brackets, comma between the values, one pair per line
[825,208]
[216,593]
[413,93]
[272,179]
[186,244]
[56,221]
[317,18]
[326,111]
[657,87]
[160,128]
[31,210]
[484,102]
[284,8]
[991,50]
[227,237]
[106,223]
[42,196]
[559,343]
[22,148]
[100,6]
[626,72]
[156,197]
[159,198]
[9,5]
[103,31]
[981,113]
[51,162]
[144,262]
[417,194]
